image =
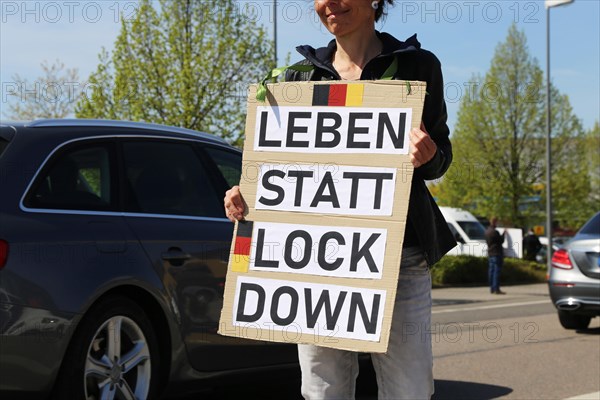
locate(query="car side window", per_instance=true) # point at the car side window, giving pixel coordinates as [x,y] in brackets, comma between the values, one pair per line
[592,227]
[228,162]
[169,178]
[76,179]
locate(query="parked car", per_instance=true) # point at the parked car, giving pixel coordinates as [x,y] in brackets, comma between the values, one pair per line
[113,254]
[557,243]
[468,232]
[574,280]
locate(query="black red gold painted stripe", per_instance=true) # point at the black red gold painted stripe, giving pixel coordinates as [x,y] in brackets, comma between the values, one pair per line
[341,95]
[241,250]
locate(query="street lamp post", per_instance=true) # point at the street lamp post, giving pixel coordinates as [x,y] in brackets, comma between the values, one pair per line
[275,31]
[549,4]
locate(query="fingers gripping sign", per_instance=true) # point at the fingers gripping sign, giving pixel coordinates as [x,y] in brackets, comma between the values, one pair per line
[422,148]
[234,204]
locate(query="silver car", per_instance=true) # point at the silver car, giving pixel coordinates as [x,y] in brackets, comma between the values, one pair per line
[574,280]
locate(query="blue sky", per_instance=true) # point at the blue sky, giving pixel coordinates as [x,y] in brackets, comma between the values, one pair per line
[463,34]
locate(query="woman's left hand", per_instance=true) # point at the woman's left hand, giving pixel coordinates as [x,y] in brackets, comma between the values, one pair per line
[422,148]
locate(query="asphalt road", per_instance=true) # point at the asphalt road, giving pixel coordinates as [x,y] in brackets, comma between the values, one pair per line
[486,347]
[511,347]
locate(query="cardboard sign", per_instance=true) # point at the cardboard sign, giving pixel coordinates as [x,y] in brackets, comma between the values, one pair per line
[323,130]
[304,189]
[326,178]
[318,250]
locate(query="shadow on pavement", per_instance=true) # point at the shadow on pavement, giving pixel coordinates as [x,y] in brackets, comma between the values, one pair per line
[274,391]
[590,331]
[366,390]
[468,390]
[287,389]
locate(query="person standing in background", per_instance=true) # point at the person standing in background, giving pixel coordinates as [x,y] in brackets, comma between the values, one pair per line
[531,245]
[495,255]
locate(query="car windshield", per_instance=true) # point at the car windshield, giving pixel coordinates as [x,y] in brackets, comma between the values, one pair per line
[474,230]
[592,227]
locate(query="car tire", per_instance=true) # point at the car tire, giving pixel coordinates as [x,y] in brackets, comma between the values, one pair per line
[87,371]
[570,320]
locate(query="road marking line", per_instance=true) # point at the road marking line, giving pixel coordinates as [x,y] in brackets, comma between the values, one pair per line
[589,396]
[492,306]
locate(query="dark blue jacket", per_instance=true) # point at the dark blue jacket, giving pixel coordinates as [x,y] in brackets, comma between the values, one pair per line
[426,226]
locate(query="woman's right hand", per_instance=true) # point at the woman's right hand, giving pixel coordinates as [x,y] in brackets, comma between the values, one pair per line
[234,204]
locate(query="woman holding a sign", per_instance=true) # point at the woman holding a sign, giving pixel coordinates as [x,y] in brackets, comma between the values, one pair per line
[359,52]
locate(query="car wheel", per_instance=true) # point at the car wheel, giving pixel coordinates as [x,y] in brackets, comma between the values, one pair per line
[573,321]
[113,355]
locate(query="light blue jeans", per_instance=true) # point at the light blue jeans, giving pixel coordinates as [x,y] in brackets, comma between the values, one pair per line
[406,370]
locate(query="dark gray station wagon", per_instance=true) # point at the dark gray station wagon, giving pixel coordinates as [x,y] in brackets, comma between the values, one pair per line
[113,253]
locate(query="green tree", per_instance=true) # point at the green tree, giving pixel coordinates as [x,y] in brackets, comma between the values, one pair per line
[182,63]
[54,94]
[572,169]
[593,158]
[576,180]
[499,142]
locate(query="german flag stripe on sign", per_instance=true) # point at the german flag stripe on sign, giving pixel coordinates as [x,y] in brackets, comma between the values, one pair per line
[340,95]
[241,249]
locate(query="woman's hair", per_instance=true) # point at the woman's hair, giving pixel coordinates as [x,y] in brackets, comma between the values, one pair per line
[381,10]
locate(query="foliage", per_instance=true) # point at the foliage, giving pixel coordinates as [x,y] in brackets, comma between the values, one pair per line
[500,145]
[573,199]
[592,155]
[181,63]
[54,94]
[469,270]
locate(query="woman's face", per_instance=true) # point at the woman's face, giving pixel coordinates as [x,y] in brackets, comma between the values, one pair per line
[342,17]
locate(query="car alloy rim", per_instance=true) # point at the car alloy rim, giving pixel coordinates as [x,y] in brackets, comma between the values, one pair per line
[117,364]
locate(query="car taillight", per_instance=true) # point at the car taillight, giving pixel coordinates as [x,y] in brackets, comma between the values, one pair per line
[561,259]
[3,253]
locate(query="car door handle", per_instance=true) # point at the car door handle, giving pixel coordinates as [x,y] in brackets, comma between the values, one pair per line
[176,256]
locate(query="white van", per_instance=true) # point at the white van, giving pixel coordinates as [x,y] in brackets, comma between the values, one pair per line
[468,232]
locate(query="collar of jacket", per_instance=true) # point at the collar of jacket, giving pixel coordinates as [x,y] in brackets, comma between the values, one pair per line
[321,57]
